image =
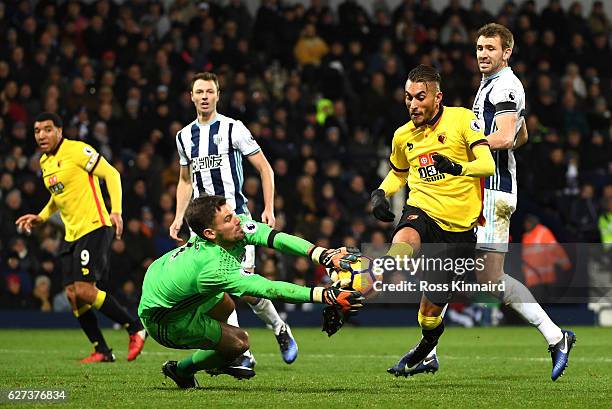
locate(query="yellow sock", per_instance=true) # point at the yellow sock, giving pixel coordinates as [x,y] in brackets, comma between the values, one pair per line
[82,310]
[100,297]
[400,249]
[429,323]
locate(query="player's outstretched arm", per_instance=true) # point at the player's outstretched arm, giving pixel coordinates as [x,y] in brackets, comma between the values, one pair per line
[482,166]
[521,137]
[261,164]
[184,189]
[381,208]
[28,221]
[393,182]
[111,176]
[260,234]
[258,286]
[503,137]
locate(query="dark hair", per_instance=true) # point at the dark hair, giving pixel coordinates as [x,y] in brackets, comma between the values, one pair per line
[201,212]
[493,30]
[425,73]
[205,76]
[50,116]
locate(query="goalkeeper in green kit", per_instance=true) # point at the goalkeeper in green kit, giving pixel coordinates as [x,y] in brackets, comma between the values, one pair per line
[185,302]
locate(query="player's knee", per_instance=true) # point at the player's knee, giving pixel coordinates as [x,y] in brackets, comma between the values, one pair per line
[408,237]
[85,292]
[71,295]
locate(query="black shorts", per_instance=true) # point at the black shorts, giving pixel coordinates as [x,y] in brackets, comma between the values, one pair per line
[439,244]
[86,259]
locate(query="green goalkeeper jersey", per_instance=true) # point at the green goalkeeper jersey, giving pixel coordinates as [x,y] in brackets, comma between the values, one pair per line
[200,270]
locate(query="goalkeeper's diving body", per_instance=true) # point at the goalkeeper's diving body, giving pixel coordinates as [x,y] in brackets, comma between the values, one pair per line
[442,154]
[185,302]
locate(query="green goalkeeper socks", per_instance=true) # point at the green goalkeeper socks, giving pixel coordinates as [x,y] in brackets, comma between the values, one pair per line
[202,359]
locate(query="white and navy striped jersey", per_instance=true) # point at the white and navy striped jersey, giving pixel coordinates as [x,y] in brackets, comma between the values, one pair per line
[214,152]
[501,93]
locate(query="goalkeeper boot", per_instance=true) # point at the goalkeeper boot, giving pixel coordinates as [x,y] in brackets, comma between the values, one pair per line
[240,368]
[248,359]
[560,354]
[97,356]
[429,365]
[287,344]
[169,368]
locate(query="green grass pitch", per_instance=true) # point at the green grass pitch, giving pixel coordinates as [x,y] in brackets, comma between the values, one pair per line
[480,368]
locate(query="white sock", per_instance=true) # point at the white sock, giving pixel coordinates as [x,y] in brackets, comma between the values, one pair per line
[266,312]
[433,351]
[233,319]
[520,299]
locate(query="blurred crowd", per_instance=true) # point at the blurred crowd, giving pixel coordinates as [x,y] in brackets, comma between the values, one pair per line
[321,89]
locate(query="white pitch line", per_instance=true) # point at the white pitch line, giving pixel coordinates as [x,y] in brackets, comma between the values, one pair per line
[328,356]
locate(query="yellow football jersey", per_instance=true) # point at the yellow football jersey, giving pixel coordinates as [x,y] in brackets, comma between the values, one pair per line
[67,173]
[453,202]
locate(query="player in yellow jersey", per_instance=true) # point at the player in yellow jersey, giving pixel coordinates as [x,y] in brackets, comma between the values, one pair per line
[442,154]
[71,172]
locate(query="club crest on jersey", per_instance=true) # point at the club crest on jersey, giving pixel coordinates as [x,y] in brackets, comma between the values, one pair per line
[216,139]
[249,227]
[442,138]
[475,125]
[426,159]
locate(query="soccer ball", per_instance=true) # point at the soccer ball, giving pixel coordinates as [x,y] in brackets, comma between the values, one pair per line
[360,279]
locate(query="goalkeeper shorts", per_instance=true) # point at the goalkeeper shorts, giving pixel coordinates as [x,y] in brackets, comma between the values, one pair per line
[185,329]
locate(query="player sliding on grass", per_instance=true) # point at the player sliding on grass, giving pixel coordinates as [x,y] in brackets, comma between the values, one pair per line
[442,154]
[211,150]
[185,302]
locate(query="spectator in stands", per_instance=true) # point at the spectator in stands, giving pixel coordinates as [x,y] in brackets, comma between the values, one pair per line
[42,294]
[128,96]
[13,297]
[605,224]
[541,256]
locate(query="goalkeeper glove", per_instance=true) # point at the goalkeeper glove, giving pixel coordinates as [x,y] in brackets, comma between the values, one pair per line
[333,319]
[445,165]
[381,207]
[335,258]
[348,301]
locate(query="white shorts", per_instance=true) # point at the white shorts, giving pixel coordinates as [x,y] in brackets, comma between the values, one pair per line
[497,210]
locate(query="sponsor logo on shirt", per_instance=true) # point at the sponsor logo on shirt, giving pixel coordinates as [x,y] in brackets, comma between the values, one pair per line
[206,162]
[55,186]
